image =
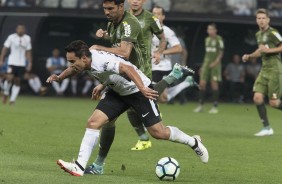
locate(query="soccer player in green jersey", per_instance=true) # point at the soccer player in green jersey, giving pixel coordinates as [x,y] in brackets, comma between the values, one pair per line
[125,34]
[211,68]
[269,80]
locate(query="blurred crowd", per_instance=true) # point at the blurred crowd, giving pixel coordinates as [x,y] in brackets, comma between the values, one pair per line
[235,7]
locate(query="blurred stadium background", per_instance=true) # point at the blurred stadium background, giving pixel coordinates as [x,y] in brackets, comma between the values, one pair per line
[54,23]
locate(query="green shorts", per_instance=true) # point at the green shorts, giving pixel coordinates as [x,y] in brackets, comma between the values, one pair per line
[269,84]
[210,74]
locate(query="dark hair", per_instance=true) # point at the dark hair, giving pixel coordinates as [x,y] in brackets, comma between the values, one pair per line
[79,47]
[115,1]
[159,7]
[263,11]
[213,25]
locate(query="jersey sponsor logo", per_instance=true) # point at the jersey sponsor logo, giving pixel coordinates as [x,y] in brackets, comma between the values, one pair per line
[127,29]
[277,35]
[105,66]
[157,22]
[210,49]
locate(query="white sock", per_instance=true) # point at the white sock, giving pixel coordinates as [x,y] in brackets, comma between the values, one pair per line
[7,86]
[56,86]
[87,86]
[74,86]
[177,135]
[32,84]
[64,85]
[89,141]
[38,83]
[175,90]
[15,93]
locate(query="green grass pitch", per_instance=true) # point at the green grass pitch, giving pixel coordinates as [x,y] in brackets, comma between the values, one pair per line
[37,131]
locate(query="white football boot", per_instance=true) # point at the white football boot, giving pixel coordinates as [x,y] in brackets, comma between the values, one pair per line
[264,132]
[199,109]
[213,110]
[200,149]
[73,168]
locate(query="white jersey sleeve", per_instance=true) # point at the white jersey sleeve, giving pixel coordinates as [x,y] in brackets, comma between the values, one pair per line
[8,42]
[105,68]
[28,44]
[172,40]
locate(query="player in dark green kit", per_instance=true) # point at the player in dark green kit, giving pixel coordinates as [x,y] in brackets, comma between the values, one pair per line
[211,68]
[125,34]
[269,80]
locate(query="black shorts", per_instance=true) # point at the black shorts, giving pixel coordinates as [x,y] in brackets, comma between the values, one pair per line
[17,71]
[157,75]
[114,105]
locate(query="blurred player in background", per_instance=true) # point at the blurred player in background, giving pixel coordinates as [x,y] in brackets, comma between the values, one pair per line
[269,80]
[211,68]
[20,51]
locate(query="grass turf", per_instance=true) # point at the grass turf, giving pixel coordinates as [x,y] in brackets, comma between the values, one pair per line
[37,131]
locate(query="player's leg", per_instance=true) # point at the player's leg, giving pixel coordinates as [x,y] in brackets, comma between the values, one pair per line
[104,113]
[260,88]
[177,73]
[18,75]
[136,122]
[106,140]
[204,77]
[171,92]
[173,134]
[149,112]
[215,79]
[8,83]
[275,91]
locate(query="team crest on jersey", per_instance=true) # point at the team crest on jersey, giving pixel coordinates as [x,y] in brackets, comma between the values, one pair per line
[127,29]
[142,23]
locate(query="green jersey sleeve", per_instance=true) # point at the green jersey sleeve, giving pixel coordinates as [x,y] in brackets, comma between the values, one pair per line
[156,27]
[220,43]
[130,30]
[276,37]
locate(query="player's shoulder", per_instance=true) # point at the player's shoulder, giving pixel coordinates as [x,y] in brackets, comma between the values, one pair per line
[12,35]
[218,37]
[129,18]
[168,30]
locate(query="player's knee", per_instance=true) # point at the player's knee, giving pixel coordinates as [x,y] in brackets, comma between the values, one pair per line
[93,123]
[162,99]
[258,99]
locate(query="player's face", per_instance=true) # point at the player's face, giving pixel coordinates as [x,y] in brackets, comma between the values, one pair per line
[136,5]
[113,11]
[79,63]
[157,12]
[262,20]
[20,30]
[211,30]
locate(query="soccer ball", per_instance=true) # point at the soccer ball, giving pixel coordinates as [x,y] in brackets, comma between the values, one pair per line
[167,168]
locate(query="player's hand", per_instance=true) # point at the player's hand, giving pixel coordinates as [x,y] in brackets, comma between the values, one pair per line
[245,57]
[263,49]
[213,64]
[100,33]
[52,78]
[96,93]
[156,56]
[149,93]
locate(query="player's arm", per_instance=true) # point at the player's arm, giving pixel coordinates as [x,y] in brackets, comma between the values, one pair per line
[100,33]
[173,50]
[29,60]
[264,49]
[161,47]
[3,54]
[123,50]
[69,72]
[255,54]
[134,76]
